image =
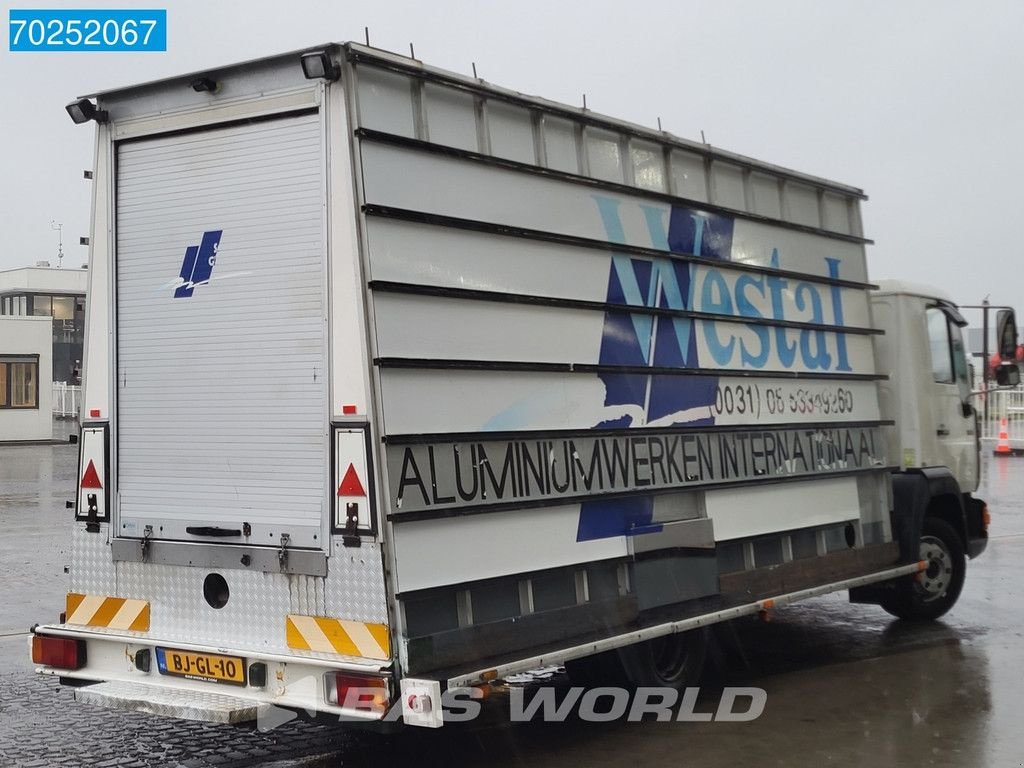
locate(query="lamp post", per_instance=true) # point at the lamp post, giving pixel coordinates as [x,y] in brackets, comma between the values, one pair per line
[60,241]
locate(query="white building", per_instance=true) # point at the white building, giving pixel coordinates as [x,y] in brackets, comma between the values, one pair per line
[26,372]
[42,291]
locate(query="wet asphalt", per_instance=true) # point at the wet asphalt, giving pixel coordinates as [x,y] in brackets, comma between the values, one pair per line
[846,684]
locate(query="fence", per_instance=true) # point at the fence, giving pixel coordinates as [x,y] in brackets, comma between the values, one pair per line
[1002,404]
[67,400]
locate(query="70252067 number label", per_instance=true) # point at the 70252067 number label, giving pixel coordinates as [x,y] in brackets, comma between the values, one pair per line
[79,29]
[767,401]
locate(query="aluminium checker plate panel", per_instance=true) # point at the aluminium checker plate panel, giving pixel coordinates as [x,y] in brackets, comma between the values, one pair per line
[92,569]
[254,616]
[355,583]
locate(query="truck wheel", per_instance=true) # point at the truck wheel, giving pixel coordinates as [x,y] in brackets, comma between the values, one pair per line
[673,661]
[935,590]
[596,671]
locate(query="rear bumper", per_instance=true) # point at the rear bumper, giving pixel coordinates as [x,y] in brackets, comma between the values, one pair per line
[303,682]
[170,702]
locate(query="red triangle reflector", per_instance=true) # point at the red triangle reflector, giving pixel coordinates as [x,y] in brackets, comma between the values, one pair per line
[91,479]
[350,485]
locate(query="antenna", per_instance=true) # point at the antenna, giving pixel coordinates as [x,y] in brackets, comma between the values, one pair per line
[412,52]
[659,123]
[474,71]
[702,139]
[366,31]
[584,101]
[60,241]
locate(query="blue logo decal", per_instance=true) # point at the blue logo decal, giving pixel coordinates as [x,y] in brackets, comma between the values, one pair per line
[644,340]
[198,264]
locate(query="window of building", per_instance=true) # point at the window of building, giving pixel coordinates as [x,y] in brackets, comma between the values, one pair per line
[14,305]
[19,382]
[41,306]
[63,308]
[18,306]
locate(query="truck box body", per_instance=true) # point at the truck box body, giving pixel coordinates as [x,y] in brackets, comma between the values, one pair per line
[429,373]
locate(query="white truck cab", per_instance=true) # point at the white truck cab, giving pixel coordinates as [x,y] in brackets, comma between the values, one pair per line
[934,434]
[928,394]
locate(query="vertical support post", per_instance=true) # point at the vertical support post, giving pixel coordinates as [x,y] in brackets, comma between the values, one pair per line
[984,353]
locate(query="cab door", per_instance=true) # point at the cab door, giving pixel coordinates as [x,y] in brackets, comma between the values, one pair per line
[953,417]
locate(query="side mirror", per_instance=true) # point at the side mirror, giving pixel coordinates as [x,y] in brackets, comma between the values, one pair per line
[1008,375]
[1006,334]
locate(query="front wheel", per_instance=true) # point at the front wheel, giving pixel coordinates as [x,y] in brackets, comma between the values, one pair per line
[935,590]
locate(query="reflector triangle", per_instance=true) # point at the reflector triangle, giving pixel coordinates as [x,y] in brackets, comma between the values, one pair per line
[350,485]
[91,479]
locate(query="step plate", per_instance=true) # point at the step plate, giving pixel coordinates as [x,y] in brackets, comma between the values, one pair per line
[169,702]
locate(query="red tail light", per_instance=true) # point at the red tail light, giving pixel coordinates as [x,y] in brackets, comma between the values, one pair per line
[59,652]
[364,693]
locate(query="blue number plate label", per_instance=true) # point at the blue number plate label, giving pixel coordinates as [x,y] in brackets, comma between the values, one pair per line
[79,29]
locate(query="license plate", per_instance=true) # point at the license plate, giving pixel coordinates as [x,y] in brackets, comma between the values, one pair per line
[209,667]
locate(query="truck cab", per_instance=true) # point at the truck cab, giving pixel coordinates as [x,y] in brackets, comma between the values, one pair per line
[928,394]
[933,435]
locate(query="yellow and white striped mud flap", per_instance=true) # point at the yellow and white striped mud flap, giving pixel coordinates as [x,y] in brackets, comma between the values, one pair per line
[110,612]
[348,638]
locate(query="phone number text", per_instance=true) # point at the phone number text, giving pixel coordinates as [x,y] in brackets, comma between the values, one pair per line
[755,400]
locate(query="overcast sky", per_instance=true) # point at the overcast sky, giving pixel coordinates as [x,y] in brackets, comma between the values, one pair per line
[918,103]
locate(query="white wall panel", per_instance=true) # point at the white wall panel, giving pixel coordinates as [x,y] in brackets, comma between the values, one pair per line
[428,327]
[426,401]
[421,254]
[436,184]
[447,328]
[385,101]
[689,176]
[514,542]
[451,117]
[727,186]
[511,132]
[742,512]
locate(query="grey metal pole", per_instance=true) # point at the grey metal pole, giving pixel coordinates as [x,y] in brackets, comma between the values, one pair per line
[984,354]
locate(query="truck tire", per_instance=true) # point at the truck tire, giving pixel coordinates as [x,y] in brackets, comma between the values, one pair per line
[934,591]
[596,671]
[673,661]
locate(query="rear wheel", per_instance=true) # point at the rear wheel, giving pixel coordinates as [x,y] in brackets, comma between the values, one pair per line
[673,661]
[935,590]
[596,671]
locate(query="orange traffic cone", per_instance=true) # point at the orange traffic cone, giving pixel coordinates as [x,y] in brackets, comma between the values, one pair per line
[1003,446]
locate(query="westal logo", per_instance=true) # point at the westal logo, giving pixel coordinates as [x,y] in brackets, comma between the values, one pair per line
[197,267]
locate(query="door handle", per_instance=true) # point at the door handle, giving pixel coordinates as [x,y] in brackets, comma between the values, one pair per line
[212,530]
[942,431]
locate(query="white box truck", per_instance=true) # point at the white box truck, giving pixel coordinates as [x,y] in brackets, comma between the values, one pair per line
[399,381]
